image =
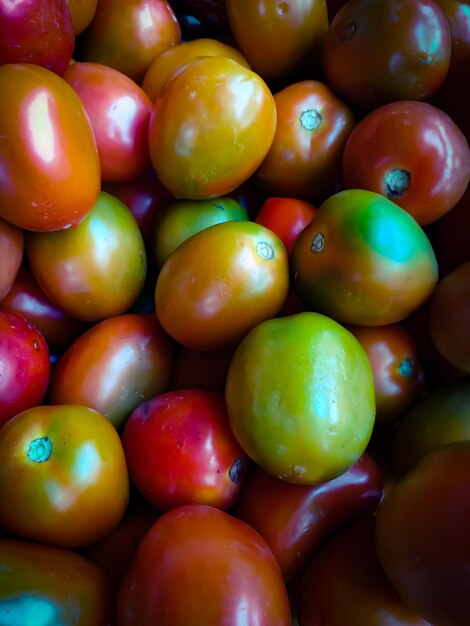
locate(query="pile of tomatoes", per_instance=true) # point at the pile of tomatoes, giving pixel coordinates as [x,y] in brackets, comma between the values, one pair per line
[234,312]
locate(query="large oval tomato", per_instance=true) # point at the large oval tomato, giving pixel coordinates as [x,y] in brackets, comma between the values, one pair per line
[48,158]
[63,476]
[211,127]
[11,255]
[198,565]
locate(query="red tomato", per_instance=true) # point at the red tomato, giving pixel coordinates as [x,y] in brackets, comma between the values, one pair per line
[11,255]
[44,585]
[24,365]
[180,450]
[119,112]
[199,565]
[81,12]
[416,156]
[457,13]
[63,476]
[48,157]
[286,217]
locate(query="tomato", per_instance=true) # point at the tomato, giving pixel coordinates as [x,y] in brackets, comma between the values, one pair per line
[379,52]
[422,535]
[38,32]
[119,112]
[63,477]
[166,64]
[416,156]
[304,160]
[286,217]
[211,127]
[281,37]
[44,585]
[81,12]
[457,14]
[200,370]
[96,269]
[128,35]
[363,260]
[199,565]
[300,397]
[443,416]
[48,157]
[397,370]
[208,301]
[180,450]
[449,317]
[295,520]
[24,365]
[182,218]
[11,255]
[344,584]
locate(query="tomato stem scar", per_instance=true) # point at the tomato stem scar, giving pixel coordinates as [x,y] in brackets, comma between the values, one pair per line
[265,250]
[396,182]
[405,368]
[310,119]
[40,449]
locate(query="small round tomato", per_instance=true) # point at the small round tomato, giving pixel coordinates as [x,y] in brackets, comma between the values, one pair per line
[208,300]
[48,157]
[416,156]
[63,476]
[300,397]
[96,269]
[119,112]
[449,317]
[180,450]
[127,35]
[398,374]
[379,52]
[44,585]
[457,14]
[211,127]
[11,255]
[81,12]
[363,260]
[114,366]
[200,565]
[286,217]
[304,160]
[24,365]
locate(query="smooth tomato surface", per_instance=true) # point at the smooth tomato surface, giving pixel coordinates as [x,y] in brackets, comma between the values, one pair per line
[81,12]
[11,255]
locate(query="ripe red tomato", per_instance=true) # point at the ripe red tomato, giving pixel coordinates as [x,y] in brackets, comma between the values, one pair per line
[11,255]
[48,158]
[200,565]
[63,476]
[286,217]
[24,365]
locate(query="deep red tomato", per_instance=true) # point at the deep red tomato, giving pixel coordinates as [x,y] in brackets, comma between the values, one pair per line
[63,476]
[304,160]
[286,217]
[199,565]
[81,12]
[11,255]
[180,450]
[422,535]
[24,365]
[416,156]
[114,366]
[295,520]
[457,13]
[48,157]
[379,52]
[119,112]
[44,585]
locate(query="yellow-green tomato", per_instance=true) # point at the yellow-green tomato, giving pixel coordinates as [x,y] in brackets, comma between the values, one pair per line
[300,397]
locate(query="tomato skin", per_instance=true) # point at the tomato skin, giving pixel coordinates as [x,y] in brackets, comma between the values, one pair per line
[24,365]
[304,160]
[416,156]
[363,260]
[180,572]
[127,35]
[119,113]
[286,217]
[379,52]
[421,535]
[295,520]
[114,366]
[457,16]
[107,255]
[207,301]
[11,255]
[52,584]
[211,127]
[81,12]
[63,476]
[300,397]
[47,151]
